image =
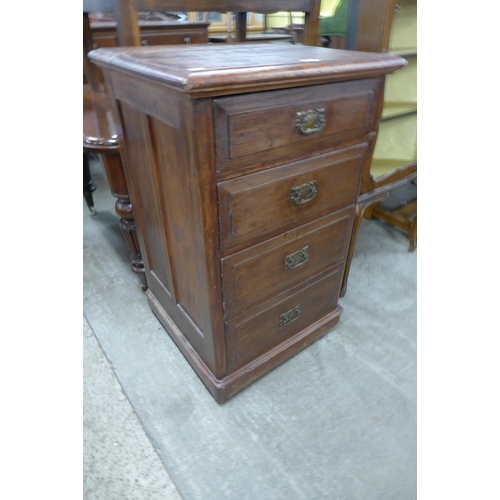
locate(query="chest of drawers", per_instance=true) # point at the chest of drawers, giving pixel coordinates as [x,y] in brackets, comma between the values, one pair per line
[244,164]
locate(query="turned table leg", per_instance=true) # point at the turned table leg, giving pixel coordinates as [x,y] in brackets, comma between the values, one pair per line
[116,179]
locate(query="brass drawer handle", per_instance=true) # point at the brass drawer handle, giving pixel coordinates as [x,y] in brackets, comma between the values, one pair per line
[303,194]
[311,121]
[297,258]
[290,315]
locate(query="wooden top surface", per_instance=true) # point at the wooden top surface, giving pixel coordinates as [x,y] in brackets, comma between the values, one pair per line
[207,70]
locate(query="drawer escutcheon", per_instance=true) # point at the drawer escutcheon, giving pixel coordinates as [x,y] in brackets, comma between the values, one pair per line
[303,194]
[311,121]
[290,315]
[297,258]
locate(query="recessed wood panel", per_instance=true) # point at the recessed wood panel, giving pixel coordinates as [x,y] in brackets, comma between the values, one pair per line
[149,214]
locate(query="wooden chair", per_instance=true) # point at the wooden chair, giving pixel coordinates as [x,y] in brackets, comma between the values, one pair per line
[382,180]
[128,31]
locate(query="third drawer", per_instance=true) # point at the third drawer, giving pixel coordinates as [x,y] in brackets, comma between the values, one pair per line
[262,271]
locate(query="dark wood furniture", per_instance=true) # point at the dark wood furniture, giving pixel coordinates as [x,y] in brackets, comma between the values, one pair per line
[244,165]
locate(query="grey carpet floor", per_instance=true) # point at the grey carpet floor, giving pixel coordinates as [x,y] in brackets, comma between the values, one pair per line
[337,421]
[119,460]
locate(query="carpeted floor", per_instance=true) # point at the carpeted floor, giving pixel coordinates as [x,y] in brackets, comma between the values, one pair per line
[337,421]
[119,460]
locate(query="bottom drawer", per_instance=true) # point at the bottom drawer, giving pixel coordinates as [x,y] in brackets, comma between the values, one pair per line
[263,328]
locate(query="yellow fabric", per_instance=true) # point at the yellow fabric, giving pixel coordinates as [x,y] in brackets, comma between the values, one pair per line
[329,7]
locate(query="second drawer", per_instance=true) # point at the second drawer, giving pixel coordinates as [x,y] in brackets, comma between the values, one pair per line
[256,206]
[262,271]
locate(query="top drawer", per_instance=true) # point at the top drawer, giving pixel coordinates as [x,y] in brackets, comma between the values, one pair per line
[261,130]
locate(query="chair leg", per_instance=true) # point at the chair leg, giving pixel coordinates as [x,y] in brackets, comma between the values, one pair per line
[358,217]
[88,184]
[412,234]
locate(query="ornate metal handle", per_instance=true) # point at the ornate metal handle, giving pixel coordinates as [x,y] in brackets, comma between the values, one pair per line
[303,194]
[297,258]
[187,40]
[311,121]
[144,42]
[290,315]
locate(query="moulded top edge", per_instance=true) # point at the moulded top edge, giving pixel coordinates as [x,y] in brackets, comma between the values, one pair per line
[204,69]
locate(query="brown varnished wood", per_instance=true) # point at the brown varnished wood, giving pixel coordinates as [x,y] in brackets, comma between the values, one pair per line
[404,217]
[100,137]
[241,26]
[172,195]
[104,35]
[153,33]
[262,6]
[254,333]
[374,22]
[116,180]
[253,132]
[260,272]
[126,12]
[243,221]
[128,24]
[100,134]
[99,124]
[209,242]
[149,217]
[90,71]
[151,98]
[224,69]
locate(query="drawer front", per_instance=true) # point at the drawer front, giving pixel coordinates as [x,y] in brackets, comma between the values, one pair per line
[269,128]
[174,38]
[264,328]
[105,41]
[256,206]
[262,271]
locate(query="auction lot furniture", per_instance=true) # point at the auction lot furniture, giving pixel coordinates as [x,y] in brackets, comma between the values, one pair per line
[244,164]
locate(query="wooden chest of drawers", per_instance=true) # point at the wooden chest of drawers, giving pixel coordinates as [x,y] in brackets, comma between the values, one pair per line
[244,164]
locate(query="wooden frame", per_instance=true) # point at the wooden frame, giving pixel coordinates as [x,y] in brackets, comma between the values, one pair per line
[128,33]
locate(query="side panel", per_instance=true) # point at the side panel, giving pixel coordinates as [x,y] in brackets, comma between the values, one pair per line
[170,173]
